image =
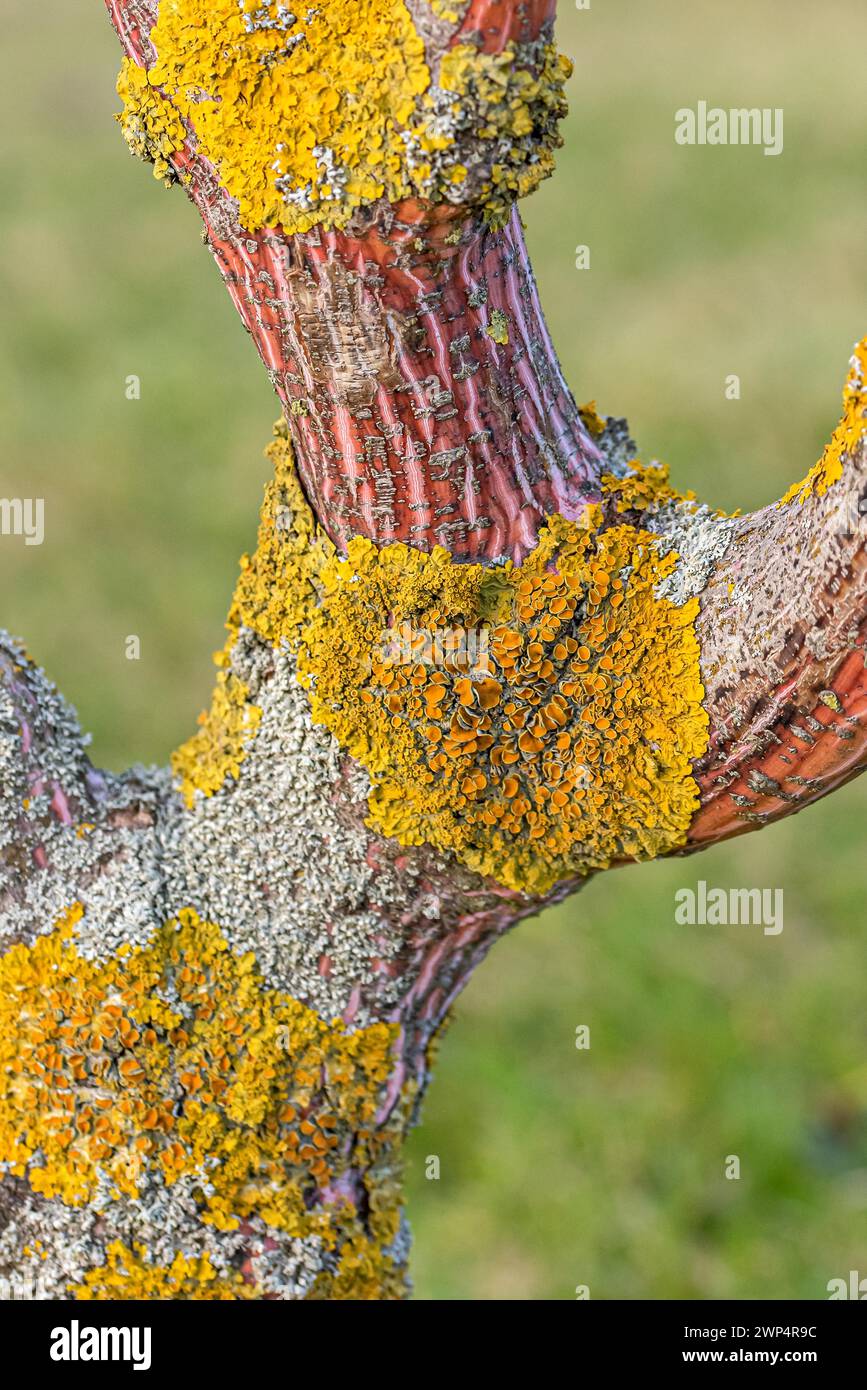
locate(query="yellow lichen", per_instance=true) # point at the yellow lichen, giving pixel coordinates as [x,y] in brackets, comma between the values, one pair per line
[175,1058]
[538,721]
[361,1273]
[448,9]
[309,116]
[645,485]
[276,594]
[498,327]
[129,1274]
[279,589]
[846,437]
[152,128]
[593,422]
[520,103]
[568,744]
[217,750]
[302,120]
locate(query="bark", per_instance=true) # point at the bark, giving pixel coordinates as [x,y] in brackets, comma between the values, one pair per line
[241,1137]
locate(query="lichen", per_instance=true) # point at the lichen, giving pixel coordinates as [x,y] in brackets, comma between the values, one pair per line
[846,437]
[511,104]
[696,535]
[174,1061]
[593,422]
[152,127]
[309,116]
[449,10]
[278,589]
[276,594]
[130,1274]
[216,751]
[641,487]
[498,327]
[567,746]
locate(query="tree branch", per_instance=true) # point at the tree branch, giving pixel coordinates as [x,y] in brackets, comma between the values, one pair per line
[782,633]
[479,653]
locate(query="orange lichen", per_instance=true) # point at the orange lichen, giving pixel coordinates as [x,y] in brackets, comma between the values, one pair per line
[539,721]
[567,747]
[846,438]
[174,1058]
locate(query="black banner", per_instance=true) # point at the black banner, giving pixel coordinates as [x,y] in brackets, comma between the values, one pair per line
[81,1341]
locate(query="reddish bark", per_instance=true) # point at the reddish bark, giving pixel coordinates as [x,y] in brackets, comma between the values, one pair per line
[427,405]
[410,423]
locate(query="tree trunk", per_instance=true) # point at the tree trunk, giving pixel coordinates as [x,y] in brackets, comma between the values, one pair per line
[479,654]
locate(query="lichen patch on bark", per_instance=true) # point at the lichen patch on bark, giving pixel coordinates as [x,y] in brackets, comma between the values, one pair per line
[557,738]
[173,1062]
[307,117]
[846,438]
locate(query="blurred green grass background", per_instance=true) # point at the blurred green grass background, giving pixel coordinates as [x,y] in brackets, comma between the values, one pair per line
[559,1167]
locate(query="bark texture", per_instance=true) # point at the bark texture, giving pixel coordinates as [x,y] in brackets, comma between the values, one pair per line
[223,981]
